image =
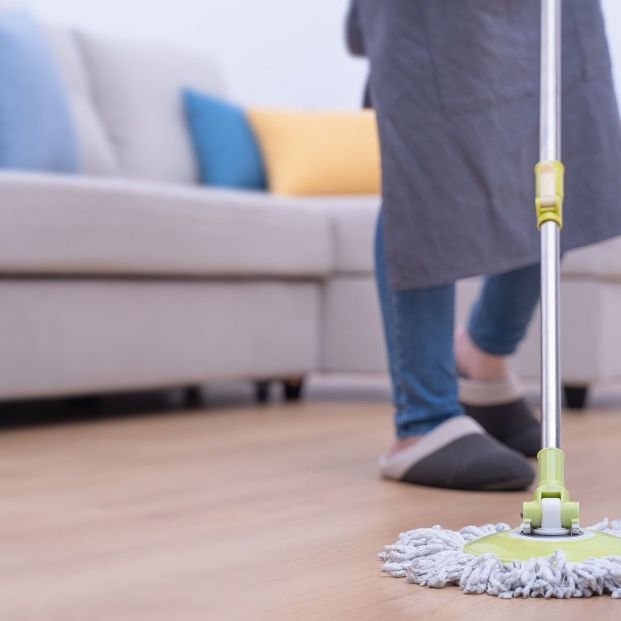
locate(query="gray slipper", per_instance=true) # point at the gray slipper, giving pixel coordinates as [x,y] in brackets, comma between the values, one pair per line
[499,407]
[458,454]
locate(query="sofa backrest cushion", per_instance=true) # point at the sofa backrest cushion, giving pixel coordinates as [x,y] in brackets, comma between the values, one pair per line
[136,90]
[95,149]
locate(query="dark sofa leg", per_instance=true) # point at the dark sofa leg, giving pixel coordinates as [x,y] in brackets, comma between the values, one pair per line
[575,396]
[262,391]
[84,402]
[193,397]
[293,388]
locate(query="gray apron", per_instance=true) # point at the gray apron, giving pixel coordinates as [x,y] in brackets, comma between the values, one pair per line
[456,84]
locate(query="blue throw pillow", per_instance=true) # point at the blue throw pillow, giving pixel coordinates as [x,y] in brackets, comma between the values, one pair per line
[36,132]
[225,145]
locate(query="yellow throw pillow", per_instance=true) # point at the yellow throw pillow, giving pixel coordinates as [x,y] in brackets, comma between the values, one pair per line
[308,152]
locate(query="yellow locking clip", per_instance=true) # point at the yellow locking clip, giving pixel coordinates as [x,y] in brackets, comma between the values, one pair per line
[549,192]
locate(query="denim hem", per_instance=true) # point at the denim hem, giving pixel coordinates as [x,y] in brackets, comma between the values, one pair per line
[420,428]
[491,345]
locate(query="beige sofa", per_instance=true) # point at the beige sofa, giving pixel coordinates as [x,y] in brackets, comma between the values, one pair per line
[133,276]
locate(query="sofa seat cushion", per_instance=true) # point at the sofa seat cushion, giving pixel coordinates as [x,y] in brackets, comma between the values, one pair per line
[353,223]
[602,260]
[353,229]
[88,225]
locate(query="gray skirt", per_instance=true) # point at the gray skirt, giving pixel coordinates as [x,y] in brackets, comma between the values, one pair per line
[456,89]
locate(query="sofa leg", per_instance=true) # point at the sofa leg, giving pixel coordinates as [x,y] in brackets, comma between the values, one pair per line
[575,396]
[293,388]
[193,397]
[262,391]
[84,402]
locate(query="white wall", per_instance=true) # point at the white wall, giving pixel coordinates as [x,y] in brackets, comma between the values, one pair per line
[273,52]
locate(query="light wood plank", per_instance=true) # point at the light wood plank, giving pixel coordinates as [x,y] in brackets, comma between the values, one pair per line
[261,513]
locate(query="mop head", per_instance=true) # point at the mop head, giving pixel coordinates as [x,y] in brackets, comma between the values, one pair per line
[435,557]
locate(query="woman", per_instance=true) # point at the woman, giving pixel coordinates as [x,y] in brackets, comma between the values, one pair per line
[455,86]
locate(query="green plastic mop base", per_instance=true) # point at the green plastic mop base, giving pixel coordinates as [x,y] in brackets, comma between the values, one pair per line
[512,545]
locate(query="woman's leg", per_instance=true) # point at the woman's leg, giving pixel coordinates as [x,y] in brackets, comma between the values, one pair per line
[418,329]
[500,317]
[497,324]
[435,444]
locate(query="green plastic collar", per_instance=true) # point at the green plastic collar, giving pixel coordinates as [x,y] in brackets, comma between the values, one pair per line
[551,478]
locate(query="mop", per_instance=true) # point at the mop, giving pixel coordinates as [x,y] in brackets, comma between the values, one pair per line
[549,554]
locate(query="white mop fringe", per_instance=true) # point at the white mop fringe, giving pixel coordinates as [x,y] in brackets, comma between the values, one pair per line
[435,557]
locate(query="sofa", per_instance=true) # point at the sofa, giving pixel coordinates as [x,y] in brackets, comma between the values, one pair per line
[132,275]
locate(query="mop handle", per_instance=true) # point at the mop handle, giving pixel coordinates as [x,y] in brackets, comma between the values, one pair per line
[550,511]
[549,163]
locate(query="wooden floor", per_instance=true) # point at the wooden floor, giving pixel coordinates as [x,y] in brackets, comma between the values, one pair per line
[246,513]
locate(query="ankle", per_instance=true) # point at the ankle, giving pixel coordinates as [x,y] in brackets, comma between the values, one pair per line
[474,363]
[401,444]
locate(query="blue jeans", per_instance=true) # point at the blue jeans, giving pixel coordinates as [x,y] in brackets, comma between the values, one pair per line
[418,328]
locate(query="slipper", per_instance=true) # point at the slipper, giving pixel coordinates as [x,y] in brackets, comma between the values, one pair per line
[458,454]
[499,406]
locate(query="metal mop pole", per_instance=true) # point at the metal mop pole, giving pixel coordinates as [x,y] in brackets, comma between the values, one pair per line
[550,512]
[550,151]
